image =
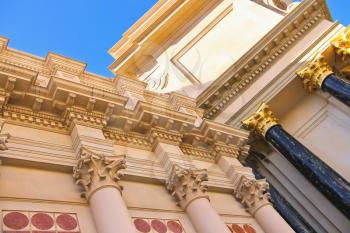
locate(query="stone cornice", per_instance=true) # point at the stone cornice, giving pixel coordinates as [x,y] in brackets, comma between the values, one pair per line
[249,68]
[53,93]
[153,31]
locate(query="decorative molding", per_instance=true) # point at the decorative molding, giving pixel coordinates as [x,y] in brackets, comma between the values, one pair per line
[84,117]
[261,57]
[161,135]
[198,153]
[252,194]
[314,73]
[186,185]
[95,171]
[27,117]
[261,121]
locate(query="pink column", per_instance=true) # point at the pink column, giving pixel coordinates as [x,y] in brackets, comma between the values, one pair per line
[186,187]
[204,218]
[253,195]
[98,175]
[271,221]
[109,211]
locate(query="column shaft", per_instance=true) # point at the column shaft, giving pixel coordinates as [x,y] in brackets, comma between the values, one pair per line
[338,88]
[270,221]
[328,182]
[204,218]
[109,211]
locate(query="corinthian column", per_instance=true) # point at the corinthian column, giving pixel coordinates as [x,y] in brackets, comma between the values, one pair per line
[185,185]
[98,175]
[317,74]
[323,177]
[254,196]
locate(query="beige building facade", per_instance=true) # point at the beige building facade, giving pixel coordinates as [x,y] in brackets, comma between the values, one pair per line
[177,142]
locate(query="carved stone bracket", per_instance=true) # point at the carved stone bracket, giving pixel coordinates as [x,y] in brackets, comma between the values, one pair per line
[95,171]
[261,121]
[186,185]
[314,73]
[252,194]
[3,140]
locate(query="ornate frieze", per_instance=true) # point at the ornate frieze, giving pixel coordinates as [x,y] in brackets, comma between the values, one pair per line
[95,171]
[158,135]
[93,119]
[15,221]
[314,73]
[252,193]
[36,119]
[123,138]
[186,185]
[261,120]
[206,154]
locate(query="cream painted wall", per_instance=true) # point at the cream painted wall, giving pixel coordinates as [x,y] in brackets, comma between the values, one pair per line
[322,124]
[216,46]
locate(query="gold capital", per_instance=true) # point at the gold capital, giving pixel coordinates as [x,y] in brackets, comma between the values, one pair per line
[341,43]
[261,121]
[314,73]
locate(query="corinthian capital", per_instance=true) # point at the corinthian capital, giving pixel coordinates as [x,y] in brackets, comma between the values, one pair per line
[261,121]
[252,193]
[341,43]
[314,73]
[185,185]
[95,171]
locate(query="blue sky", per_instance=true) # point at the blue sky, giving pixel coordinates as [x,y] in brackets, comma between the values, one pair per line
[85,29]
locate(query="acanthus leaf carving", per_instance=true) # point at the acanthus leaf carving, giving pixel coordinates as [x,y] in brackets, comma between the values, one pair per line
[186,185]
[94,171]
[253,194]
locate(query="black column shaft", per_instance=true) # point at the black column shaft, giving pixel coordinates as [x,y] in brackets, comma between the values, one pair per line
[338,88]
[324,178]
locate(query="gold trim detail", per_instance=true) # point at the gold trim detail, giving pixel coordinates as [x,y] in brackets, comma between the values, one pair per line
[314,73]
[341,43]
[261,121]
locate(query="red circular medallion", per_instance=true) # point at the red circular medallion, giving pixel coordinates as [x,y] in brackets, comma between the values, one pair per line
[174,227]
[16,220]
[158,226]
[237,229]
[42,221]
[66,222]
[142,225]
[249,228]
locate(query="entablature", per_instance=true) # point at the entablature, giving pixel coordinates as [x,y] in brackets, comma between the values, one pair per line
[62,102]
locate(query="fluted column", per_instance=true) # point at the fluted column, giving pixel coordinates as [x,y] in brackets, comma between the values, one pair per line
[323,177]
[98,175]
[185,185]
[254,196]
